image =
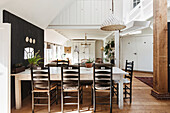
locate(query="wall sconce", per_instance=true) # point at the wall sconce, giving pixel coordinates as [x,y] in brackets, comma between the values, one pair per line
[102,48]
[30,40]
[48,46]
[26,39]
[33,41]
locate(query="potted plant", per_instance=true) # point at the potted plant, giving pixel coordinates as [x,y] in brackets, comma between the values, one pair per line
[35,61]
[89,63]
[109,51]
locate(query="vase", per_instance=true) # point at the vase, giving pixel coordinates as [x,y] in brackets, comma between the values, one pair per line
[89,65]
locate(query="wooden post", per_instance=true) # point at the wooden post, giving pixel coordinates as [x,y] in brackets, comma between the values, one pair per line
[160,48]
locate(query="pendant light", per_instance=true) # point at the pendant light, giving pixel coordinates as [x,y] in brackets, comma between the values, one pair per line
[112,23]
[85,42]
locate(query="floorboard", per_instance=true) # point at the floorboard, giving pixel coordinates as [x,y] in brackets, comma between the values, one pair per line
[142,102]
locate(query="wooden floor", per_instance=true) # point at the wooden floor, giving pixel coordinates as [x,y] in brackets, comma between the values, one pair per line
[143,102]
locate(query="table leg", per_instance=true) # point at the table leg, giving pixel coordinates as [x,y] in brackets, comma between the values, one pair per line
[17,93]
[121,93]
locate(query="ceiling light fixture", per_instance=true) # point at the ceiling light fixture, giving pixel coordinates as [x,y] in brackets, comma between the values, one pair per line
[85,44]
[112,23]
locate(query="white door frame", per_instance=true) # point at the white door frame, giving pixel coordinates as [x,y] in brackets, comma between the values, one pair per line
[5,68]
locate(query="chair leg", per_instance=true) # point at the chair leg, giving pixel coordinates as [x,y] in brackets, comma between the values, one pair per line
[130,93]
[49,102]
[117,93]
[125,92]
[32,102]
[62,101]
[38,96]
[91,95]
[111,95]
[81,92]
[94,99]
[113,89]
[57,95]
[78,101]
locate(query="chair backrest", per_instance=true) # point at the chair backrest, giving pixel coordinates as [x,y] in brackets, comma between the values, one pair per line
[40,79]
[98,60]
[62,63]
[70,76]
[102,75]
[129,68]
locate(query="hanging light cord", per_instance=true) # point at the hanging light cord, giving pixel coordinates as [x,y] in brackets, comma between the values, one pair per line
[112,7]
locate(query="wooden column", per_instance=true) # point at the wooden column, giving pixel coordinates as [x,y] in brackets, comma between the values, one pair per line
[160,48]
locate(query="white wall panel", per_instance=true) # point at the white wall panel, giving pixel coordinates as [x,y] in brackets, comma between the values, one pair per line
[84,12]
[5,68]
[139,49]
[54,37]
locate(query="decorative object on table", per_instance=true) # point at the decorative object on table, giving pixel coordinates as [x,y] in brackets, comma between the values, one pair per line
[35,60]
[112,23]
[18,68]
[89,63]
[109,51]
[85,43]
[77,50]
[67,50]
[83,61]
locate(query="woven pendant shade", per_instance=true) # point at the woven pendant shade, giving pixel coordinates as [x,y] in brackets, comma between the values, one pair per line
[112,24]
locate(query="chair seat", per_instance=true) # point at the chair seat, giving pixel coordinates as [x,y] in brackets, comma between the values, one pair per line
[52,87]
[71,89]
[102,88]
[125,81]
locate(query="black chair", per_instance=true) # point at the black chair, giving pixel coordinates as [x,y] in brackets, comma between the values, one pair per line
[62,63]
[127,81]
[70,83]
[42,88]
[102,82]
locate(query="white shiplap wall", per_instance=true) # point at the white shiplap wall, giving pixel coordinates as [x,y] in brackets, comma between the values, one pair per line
[84,12]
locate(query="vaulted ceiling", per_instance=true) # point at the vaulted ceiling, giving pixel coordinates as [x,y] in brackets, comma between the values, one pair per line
[38,12]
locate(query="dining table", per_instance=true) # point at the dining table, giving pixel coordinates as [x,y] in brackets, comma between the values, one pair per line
[86,76]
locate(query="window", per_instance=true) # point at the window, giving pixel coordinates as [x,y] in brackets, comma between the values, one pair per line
[135,3]
[28,52]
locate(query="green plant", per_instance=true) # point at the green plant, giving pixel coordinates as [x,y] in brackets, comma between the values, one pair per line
[108,50]
[34,61]
[89,61]
[112,43]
